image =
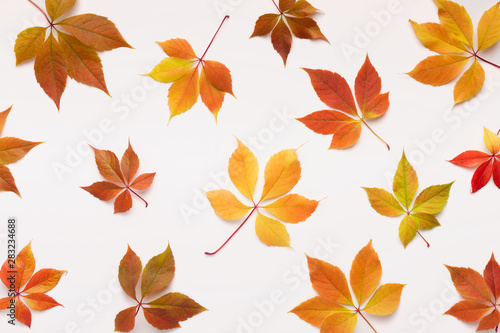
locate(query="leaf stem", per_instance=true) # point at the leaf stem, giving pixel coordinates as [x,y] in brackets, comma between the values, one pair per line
[138,308]
[486,61]
[131,190]
[359,312]
[281,13]
[426,242]
[40,9]
[241,225]
[364,122]
[220,26]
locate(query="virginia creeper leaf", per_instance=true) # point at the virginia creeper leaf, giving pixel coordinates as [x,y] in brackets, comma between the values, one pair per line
[429,202]
[74,54]
[281,174]
[452,37]
[488,164]
[211,82]
[162,313]
[481,294]
[328,311]
[11,150]
[35,285]
[120,178]
[294,18]
[333,90]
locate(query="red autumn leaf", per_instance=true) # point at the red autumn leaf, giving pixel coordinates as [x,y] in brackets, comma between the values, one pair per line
[481,292]
[164,312]
[488,164]
[74,54]
[344,121]
[11,151]
[18,273]
[180,68]
[122,173]
[293,18]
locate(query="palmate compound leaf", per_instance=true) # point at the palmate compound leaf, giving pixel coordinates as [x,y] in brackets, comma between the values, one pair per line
[281,174]
[453,40]
[293,18]
[331,310]
[344,121]
[488,164]
[427,204]
[164,312]
[11,150]
[192,77]
[15,275]
[119,177]
[61,54]
[481,293]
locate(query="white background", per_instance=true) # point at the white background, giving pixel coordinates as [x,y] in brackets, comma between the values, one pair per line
[72,230]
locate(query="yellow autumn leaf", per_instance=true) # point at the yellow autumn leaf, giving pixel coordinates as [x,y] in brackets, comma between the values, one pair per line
[292,208]
[315,310]
[226,205]
[366,271]
[436,38]
[407,230]
[383,202]
[341,322]
[439,69]
[184,92]
[282,173]
[405,183]
[492,141]
[470,83]
[271,232]
[488,29]
[455,18]
[385,300]
[243,170]
[170,69]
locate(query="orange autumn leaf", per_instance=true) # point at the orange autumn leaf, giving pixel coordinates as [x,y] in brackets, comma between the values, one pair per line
[119,177]
[481,293]
[164,312]
[281,174]
[17,273]
[293,18]
[331,310]
[11,150]
[488,164]
[451,37]
[212,81]
[344,121]
[61,54]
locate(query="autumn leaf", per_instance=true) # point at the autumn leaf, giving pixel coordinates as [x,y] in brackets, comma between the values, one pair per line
[180,68]
[331,309]
[11,150]
[426,205]
[344,121]
[293,18]
[119,177]
[164,312]
[61,54]
[18,273]
[481,293]
[281,174]
[453,40]
[488,164]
